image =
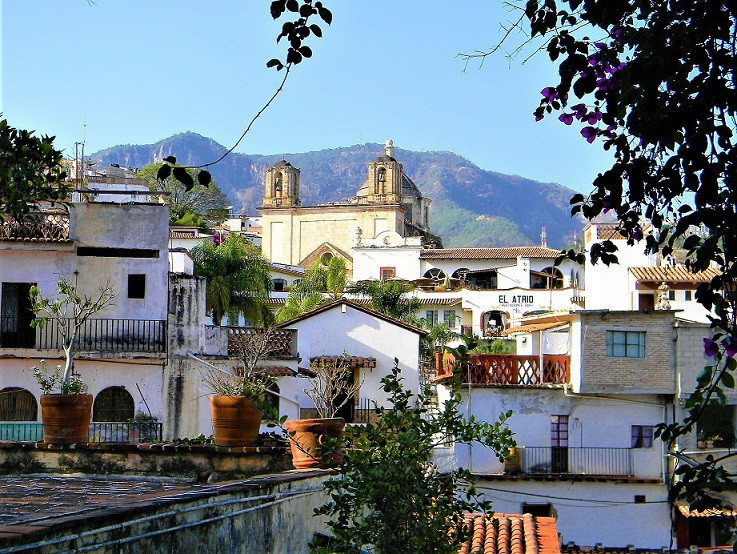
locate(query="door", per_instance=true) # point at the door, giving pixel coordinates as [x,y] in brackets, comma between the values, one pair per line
[16,316]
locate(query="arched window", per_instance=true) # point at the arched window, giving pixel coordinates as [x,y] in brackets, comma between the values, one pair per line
[279,284]
[435,274]
[326,257]
[17,404]
[548,278]
[113,404]
[278,185]
[459,273]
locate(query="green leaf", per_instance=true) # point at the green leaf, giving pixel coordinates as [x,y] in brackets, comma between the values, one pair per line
[181,175]
[204,178]
[163,173]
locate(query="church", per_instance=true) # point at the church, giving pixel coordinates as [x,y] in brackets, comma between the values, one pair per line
[298,235]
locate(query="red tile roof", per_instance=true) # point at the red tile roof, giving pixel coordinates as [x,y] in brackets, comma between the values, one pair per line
[511,534]
[345,361]
[672,274]
[489,253]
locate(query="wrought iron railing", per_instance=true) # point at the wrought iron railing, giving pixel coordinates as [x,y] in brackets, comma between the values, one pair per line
[281,342]
[508,369]
[36,226]
[579,460]
[117,431]
[365,411]
[100,431]
[96,335]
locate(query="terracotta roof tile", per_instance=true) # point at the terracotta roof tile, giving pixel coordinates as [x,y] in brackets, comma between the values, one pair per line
[511,534]
[672,275]
[488,253]
[347,361]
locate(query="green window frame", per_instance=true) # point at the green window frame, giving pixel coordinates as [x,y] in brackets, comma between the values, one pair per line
[625,344]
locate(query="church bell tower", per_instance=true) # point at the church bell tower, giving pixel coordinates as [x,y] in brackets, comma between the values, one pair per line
[281,186]
[385,178]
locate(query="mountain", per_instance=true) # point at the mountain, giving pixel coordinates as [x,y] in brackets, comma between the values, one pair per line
[470,206]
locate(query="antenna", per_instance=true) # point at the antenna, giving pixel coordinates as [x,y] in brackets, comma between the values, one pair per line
[543,237]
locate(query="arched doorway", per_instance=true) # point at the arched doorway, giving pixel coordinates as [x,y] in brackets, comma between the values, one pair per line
[113,404]
[17,404]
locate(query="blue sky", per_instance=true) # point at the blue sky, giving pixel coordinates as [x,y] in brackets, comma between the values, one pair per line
[134,72]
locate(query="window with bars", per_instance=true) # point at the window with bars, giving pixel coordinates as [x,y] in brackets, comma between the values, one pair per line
[642,436]
[625,344]
[387,273]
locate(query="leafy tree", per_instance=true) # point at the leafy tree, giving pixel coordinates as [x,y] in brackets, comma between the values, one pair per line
[654,83]
[30,171]
[388,496]
[389,297]
[238,279]
[197,204]
[321,283]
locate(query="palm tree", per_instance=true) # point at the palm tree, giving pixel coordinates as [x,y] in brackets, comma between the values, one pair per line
[238,279]
[389,297]
[322,283]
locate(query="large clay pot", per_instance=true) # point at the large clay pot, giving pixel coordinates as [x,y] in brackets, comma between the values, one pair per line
[306,436]
[66,418]
[235,420]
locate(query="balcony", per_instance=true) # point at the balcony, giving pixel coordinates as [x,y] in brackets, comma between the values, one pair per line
[507,369]
[95,335]
[50,226]
[566,460]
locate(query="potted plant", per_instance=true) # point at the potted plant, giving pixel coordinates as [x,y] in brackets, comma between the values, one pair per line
[65,415]
[237,401]
[330,390]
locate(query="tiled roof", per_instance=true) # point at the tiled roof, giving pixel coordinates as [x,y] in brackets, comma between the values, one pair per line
[351,362]
[672,274]
[277,371]
[511,534]
[488,253]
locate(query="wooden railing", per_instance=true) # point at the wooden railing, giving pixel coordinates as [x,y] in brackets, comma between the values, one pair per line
[508,369]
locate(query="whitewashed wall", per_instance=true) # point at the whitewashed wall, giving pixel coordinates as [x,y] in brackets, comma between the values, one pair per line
[358,333]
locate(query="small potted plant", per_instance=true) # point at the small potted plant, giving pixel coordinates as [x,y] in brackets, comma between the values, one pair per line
[237,401]
[66,415]
[331,389]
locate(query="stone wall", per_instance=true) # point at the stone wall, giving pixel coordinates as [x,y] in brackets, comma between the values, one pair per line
[653,374]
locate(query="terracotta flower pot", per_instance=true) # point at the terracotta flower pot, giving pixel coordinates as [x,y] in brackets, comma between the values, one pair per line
[306,436]
[235,420]
[66,418]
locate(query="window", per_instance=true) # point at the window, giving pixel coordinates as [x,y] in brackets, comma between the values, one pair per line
[671,295]
[642,436]
[113,404]
[544,510]
[436,274]
[431,316]
[279,284]
[17,404]
[137,285]
[387,273]
[625,344]
[687,295]
[449,318]
[271,398]
[559,430]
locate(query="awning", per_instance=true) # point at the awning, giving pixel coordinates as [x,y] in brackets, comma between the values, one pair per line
[531,327]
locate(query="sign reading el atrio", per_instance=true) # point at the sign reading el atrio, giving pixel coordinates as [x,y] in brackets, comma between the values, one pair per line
[516,300]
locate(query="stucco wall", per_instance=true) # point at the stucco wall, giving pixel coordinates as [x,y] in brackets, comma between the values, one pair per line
[333,332]
[589,513]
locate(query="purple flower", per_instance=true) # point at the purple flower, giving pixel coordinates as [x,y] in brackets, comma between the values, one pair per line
[594,117]
[711,348]
[730,346]
[600,45]
[637,234]
[607,206]
[617,34]
[579,110]
[549,93]
[538,116]
[566,118]
[589,133]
